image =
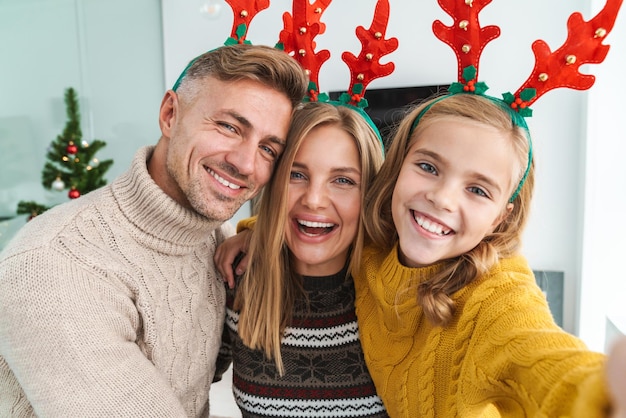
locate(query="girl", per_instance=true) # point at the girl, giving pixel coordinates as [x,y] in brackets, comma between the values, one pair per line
[452,321]
[291,326]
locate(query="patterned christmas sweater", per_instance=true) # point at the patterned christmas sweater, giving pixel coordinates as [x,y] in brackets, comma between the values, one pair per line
[325,372]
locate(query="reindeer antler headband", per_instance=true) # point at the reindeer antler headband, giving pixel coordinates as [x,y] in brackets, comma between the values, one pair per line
[243,13]
[297,39]
[552,69]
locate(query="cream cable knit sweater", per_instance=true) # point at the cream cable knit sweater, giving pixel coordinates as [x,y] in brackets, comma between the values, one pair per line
[109,306]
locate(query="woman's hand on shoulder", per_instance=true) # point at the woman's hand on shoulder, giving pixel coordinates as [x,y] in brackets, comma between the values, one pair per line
[230,256]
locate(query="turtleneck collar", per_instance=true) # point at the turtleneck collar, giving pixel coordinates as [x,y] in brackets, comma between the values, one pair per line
[316,283]
[393,287]
[159,220]
[395,275]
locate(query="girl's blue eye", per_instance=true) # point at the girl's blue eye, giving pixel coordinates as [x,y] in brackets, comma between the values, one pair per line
[429,168]
[478,191]
[296,175]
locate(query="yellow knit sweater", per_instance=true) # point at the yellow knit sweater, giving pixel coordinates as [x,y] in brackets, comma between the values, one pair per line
[502,355]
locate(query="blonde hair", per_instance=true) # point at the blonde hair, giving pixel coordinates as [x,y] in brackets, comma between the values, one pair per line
[261,63]
[267,293]
[434,295]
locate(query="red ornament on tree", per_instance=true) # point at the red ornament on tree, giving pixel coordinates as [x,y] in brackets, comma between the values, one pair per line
[73,194]
[71,148]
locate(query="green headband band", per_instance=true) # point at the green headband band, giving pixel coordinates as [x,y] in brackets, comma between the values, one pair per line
[183,74]
[365,116]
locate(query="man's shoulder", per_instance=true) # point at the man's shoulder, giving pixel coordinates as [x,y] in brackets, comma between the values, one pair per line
[60,220]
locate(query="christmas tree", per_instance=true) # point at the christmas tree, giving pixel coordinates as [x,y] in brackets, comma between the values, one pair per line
[71,163]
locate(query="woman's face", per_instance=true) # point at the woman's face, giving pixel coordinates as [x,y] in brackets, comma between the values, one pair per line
[324,201]
[452,190]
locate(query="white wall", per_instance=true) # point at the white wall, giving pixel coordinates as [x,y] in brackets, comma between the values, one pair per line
[603,279]
[109,51]
[553,240]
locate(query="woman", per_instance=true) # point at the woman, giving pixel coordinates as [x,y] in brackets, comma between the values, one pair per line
[290,319]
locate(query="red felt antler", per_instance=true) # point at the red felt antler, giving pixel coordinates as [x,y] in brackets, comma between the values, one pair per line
[561,67]
[244,11]
[366,67]
[466,38]
[297,38]
[552,69]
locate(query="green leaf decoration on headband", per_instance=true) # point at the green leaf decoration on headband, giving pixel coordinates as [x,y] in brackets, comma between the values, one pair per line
[521,104]
[528,94]
[480,88]
[456,88]
[358,88]
[314,95]
[345,98]
[470,85]
[323,97]
[240,32]
[469,73]
[356,98]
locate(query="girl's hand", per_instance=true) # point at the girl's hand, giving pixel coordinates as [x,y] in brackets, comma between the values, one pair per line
[230,256]
[616,374]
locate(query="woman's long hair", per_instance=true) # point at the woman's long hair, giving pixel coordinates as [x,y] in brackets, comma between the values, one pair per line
[267,293]
[434,294]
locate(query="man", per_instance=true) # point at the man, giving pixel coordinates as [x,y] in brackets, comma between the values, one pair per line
[109,304]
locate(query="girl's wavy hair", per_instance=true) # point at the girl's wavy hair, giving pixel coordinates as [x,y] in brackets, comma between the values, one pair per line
[434,294]
[268,291]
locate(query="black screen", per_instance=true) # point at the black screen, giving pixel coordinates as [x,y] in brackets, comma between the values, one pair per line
[388,106]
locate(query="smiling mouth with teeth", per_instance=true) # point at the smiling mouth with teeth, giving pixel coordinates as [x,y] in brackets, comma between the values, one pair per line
[315,228]
[222,180]
[431,226]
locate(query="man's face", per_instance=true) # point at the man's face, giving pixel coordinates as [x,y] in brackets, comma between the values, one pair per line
[219,148]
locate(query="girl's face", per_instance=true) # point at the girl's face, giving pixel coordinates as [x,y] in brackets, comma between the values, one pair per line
[324,201]
[452,190]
